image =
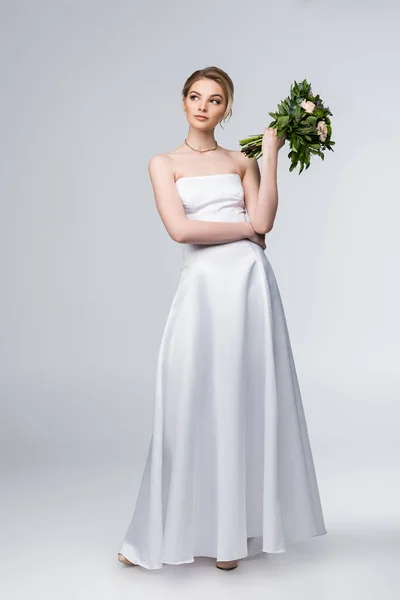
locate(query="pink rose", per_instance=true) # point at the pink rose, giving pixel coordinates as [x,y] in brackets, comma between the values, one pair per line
[322,130]
[308,106]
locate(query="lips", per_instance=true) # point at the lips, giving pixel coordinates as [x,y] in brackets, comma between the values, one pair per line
[201,117]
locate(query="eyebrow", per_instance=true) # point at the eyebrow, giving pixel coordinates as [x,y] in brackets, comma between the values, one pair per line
[198,93]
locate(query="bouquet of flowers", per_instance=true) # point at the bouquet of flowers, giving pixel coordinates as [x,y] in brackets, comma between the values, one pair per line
[305,120]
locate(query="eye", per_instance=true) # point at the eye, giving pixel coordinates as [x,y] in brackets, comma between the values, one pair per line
[213,100]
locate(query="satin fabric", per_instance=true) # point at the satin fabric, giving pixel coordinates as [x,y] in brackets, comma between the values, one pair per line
[229,471]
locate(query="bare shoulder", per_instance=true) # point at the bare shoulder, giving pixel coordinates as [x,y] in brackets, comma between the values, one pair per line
[159,160]
[165,162]
[160,164]
[244,163]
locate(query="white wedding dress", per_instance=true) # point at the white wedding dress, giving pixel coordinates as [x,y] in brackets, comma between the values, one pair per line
[229,470]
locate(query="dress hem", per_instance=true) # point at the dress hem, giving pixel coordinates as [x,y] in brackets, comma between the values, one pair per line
[137,562]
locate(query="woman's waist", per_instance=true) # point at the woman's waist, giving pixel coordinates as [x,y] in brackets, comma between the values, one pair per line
[219,255]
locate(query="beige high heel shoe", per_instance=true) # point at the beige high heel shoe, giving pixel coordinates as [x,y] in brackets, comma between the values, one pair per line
[226,565]
[124,560]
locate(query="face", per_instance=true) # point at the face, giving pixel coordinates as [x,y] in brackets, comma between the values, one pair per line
[205,98]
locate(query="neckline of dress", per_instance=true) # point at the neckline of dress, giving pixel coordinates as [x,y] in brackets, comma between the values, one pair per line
[213,175]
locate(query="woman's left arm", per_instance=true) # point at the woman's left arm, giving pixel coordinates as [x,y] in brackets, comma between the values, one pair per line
[261,192]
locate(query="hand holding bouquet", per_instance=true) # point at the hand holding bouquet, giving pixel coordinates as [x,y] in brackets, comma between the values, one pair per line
[303,119]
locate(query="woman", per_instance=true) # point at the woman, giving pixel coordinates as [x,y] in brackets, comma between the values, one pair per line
[229,471]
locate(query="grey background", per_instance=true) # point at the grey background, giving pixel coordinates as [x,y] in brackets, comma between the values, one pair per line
[90,90]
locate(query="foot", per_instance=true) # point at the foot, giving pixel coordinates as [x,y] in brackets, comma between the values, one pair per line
[124,560]
[227,564]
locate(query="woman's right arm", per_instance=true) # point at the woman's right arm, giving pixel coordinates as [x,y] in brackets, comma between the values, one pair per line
[180,228]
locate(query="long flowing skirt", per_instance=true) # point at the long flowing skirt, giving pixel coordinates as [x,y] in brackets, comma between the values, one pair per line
[229,471]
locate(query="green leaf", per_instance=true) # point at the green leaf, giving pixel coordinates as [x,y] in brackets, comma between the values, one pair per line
[283,120]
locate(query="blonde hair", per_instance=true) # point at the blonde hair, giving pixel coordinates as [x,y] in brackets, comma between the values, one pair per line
[220,77]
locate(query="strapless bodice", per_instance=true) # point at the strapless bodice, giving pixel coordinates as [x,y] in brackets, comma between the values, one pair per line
[218,197]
